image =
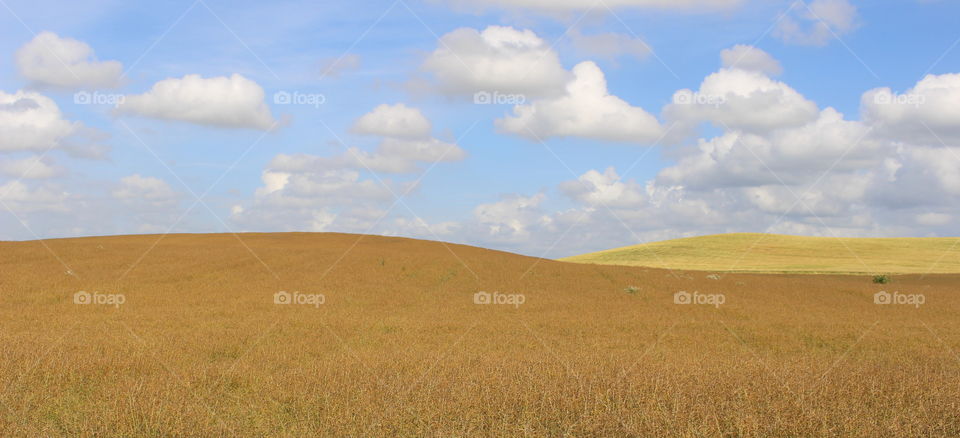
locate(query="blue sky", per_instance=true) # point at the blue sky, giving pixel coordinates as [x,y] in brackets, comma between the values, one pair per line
[580,172]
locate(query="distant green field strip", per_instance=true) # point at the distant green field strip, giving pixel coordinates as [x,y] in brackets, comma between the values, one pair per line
[754,252]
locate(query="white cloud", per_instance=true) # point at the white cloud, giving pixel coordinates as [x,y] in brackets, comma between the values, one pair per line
[30,168]
[609,45]
[304,191]
[834,197]
[331,186]
[779,164]
[750,58]
[406,144]
[742,99]
[498,59]
[51,61]
[138,189]
[19,197]
[789,155]
[926,113]
[817,23]
[397,120]
[32,122]
[511,217]
[599,189]
[586,110]
[316,201]
[942,164]
[229,102]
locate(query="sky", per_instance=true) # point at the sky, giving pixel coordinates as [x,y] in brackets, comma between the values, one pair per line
[547,128]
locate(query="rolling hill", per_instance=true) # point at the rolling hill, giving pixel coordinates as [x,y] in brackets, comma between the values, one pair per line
[774,253]
[307,334]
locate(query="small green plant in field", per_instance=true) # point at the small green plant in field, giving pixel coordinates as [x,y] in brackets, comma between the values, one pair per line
[881,279]
[632,290]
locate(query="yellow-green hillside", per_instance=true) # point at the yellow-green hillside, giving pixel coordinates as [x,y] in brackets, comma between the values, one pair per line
[754,252]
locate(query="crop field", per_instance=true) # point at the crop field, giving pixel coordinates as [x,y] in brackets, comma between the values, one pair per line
[298,334]
[773,253]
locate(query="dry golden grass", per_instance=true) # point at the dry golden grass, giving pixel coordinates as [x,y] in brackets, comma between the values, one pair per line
[776,253]
[400,349]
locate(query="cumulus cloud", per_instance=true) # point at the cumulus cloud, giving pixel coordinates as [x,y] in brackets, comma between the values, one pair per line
[30,168]
[940,164]
[585,110]
[750,58]
[397,120]
[498,59]
[742,99]
[136,189]
[228,102]
[926,113]
[406,144]
[304,191]
[788,155]
[315,201]
[597,189]
[511,217]
[21,198]
[817,23]
[32,122]
[51,61]
[779,164]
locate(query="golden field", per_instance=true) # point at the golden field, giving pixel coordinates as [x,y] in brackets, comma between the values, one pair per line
[775,253]
[399,347]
